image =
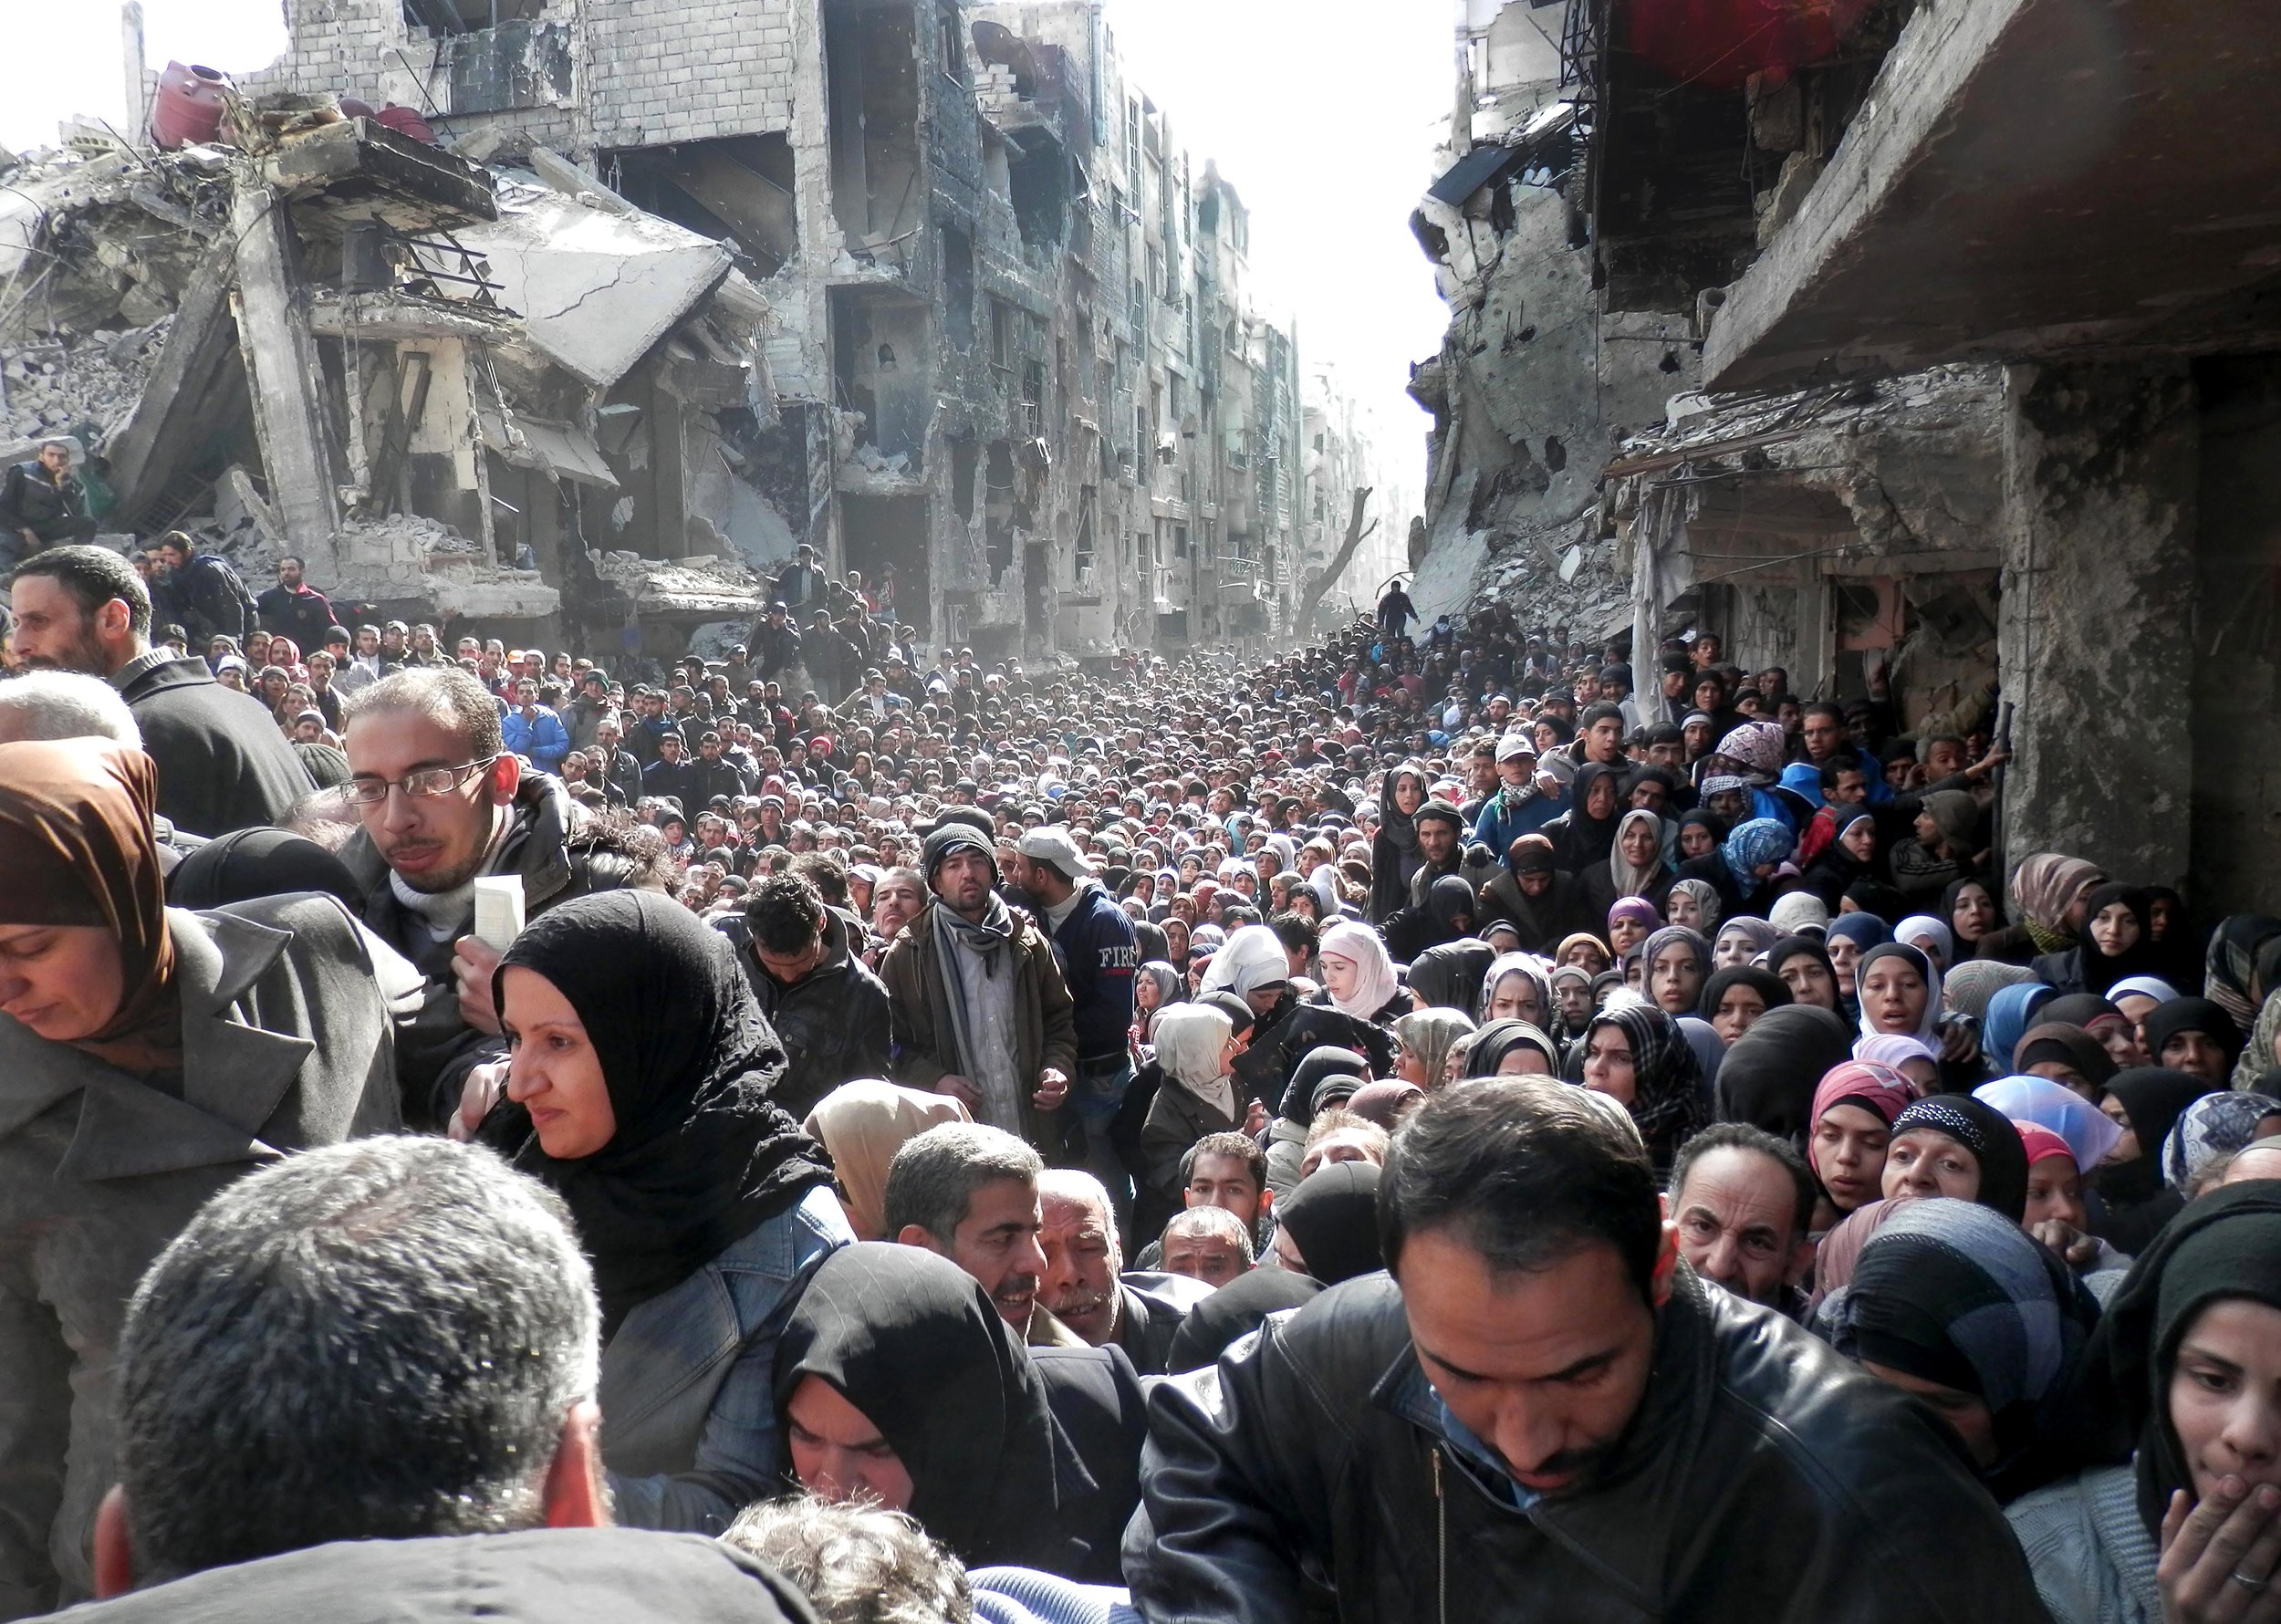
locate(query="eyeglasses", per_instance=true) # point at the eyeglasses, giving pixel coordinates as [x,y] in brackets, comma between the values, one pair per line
[427,784]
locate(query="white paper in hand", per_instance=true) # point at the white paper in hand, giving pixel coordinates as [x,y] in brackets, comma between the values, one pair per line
[498,910]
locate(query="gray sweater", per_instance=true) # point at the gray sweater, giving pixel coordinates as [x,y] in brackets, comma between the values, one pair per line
[2092,1558]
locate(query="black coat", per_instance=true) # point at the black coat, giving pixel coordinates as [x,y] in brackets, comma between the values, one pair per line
[834,1022]
[1757,1480]
[223,765]
[304,616]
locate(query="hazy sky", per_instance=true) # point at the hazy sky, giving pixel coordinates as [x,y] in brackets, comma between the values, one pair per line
[1322,114]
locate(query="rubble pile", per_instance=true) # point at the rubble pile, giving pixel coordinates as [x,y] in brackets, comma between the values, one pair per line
[68,384]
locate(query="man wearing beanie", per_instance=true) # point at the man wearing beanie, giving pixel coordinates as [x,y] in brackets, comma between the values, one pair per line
[980,1009]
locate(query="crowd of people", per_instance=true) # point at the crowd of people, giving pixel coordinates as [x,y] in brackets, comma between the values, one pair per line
[1416,1129]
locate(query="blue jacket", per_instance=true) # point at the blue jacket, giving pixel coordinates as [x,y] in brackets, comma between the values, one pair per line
[689,1381]
[1497,830]
[541,739]
[1098,949]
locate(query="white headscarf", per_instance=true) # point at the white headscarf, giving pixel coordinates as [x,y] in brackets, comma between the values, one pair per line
[1364,949]
[1190,1040]
[1250,959]
[1919,929]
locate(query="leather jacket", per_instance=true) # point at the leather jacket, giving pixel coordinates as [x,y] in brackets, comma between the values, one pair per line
[1312,1471]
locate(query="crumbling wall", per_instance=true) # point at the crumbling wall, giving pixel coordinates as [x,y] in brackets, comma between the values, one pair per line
[2101,468]
[686,71]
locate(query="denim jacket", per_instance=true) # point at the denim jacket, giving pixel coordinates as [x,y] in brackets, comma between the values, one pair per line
[689,1389]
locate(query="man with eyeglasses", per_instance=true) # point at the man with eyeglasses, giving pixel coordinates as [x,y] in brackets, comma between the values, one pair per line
[441,802]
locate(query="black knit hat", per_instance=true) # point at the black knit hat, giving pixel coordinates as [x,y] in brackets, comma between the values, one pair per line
[957,836]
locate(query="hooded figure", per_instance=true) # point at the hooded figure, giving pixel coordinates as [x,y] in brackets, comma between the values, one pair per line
[2044,889]
[1448,916]
[1559,911]
[1332,1220]
[1581,837]
[2165,1021]
[2052,1041]
[1450,976]
[1864,1085]
[1235,1311]
[260,863]
[1948,1293]
[1770,1073]
[910,1341]
[2129,1186]
[1250,960]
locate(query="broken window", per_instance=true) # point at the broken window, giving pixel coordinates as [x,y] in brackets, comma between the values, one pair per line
[999,511]
[1038,183]
[871,91]
[1083,556]
[946,30]
[881,533]
[467,16]
[958,287]
[879,350]
[739,189]
[965,461]
[1180,541]
[1000,335]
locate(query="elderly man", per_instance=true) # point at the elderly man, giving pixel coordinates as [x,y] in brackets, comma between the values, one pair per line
[374,1292]
[1743,1200]
[1538,1408]
[1207,1243]
[1084,1285]
[978,1004]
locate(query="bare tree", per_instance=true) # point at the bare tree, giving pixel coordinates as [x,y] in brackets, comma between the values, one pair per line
[1311,600]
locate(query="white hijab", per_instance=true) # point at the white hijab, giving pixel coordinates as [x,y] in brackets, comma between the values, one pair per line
[1250,959]
[1364,949]
[1190,1040]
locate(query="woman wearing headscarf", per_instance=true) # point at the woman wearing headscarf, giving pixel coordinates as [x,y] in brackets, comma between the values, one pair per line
[260,863]
[1929,936]
[2194,1035]
[1328,1228]
[1951,1302]
[1736,998]
[2262,1051]
[1971,910]
[1952,1144]
[1849,856]
[1514,987]
[1233,1312]
[2114,944]
[900,1383]
[1802,965]
[1634,1053]
[1693,903]
[1740,940]
[1510,1048]
[2230,978]
[2012,1010]
[1583,836]
[2047,892]
[2133,1203]
[1674,964]
[1898,991]
[1195,1047]
[2091,1134]
[1394,855]
[1855,1106]
[1354,1009]
[149,1055]
[1743,868]
[1769,1075]
[2064,1054]
[1543,904]
[2113,1031]
[2214,1126]
[1635,866]
[2182,1371]
[1154,985]
[1915,1059]
[1631,921]
[1450,976]
[1849,936]
[1448,915]
[862,1125]
[1424,1040]
[639,1089]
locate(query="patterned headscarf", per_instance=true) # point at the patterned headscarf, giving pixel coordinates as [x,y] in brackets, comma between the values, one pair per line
[1968,988]
[1706,896]
[2231,965]
[1668,1103]
[2214,1125]
[1758,745]
[1989,1135]
[2044,887]
[1755,844]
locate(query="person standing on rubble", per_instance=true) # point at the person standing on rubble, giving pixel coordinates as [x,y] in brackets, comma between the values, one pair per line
[802,587]
[41,503]
[293,607]
[205,593]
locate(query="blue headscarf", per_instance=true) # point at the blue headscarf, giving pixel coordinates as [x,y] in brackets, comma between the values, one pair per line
[1865,930]
[2011,1011]
[1760,841]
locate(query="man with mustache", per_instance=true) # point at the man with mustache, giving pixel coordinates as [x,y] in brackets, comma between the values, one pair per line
[1541,1411]
[1084,1286]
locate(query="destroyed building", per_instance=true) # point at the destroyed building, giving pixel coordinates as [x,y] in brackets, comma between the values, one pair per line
[1971,330]
[928,285]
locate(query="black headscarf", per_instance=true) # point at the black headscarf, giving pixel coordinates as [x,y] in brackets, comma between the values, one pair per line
[1237,1308]
[1770,1073]
[1449,976]
[912,1341]
[2227,1243]
[260,863]
[702,1155]
[2098,971]
[1583,841]
[1764,983]
[1789,948]
[1318,1065]
[1333,1216]
[1988,1134]
[1494,1041]
[2168,1019]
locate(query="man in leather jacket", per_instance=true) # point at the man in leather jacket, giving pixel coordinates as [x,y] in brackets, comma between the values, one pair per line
[1551,1416]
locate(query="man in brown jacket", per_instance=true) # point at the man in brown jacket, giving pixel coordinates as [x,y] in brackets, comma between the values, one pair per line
[977,1006]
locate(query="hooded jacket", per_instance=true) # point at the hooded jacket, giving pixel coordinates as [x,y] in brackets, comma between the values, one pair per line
[1756,1481]
[833,1020]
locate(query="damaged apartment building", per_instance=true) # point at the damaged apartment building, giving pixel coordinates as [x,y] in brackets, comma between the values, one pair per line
[1940,337]
[925,285]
